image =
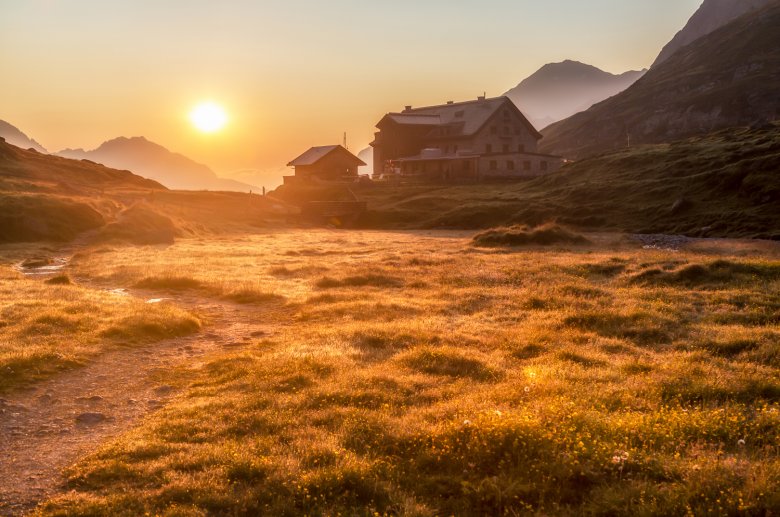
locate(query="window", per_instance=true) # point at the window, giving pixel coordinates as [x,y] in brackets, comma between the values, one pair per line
[493,165]
[488,149]
[505,130]
[505,148]
[510,165]
[459,114]
[521,148]
[543,165]
[446,149]
[493,130]
[466,166]
[527,166]
[455,148]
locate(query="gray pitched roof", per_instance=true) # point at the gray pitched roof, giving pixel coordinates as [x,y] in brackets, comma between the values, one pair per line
[466,118]
[315,154]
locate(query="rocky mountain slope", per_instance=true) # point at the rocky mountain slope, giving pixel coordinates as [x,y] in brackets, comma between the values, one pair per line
[559,90]
[154,161]
[712,15]
[725,79]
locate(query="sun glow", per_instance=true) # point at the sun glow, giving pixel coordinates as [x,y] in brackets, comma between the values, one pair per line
[208,117]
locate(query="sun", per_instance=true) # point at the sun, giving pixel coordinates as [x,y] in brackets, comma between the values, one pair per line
[208,117]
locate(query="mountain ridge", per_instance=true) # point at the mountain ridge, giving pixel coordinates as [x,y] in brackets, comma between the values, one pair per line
[710,16]
[15,136]
[152,160]
[728,78]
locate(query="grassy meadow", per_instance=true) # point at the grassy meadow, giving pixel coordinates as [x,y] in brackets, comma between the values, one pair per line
[417,374]
[48,326]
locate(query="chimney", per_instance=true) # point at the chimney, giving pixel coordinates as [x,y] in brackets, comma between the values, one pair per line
[408,108]
[481,98]
[450,102]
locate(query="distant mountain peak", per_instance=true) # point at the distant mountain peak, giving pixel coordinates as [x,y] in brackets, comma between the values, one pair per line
[152,160]
[569,63]
[559,90]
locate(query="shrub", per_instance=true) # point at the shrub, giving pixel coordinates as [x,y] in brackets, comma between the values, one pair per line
[545,235]
[59,280]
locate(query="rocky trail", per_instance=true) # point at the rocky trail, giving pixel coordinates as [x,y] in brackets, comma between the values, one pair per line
[47,427]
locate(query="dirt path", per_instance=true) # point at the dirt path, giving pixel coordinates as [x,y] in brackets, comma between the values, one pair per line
[48,427]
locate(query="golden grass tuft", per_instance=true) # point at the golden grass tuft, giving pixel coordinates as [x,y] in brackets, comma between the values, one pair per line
[59,280]
[47,327]
[519,235]
[719,273]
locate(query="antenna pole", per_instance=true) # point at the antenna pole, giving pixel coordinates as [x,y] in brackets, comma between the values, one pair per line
[345,141]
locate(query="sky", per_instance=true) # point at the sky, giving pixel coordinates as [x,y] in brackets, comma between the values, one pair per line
[290,73]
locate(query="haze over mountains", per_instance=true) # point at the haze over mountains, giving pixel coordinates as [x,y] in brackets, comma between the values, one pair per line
[16,137]
[558,90]
[728,78]
[142,157]
[154,161]
[712,15]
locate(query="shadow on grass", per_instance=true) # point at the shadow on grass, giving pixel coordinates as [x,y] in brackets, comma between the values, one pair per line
[369,280]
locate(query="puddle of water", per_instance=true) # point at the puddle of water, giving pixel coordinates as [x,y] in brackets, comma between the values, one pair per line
[120,291]
[156,300]
[660,248]
[55,266]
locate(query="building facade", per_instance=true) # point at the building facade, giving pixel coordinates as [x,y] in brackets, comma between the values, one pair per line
[329,163]
[466,141]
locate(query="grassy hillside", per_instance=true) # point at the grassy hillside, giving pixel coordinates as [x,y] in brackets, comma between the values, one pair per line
[49,198]
[724,184]
[725,79]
